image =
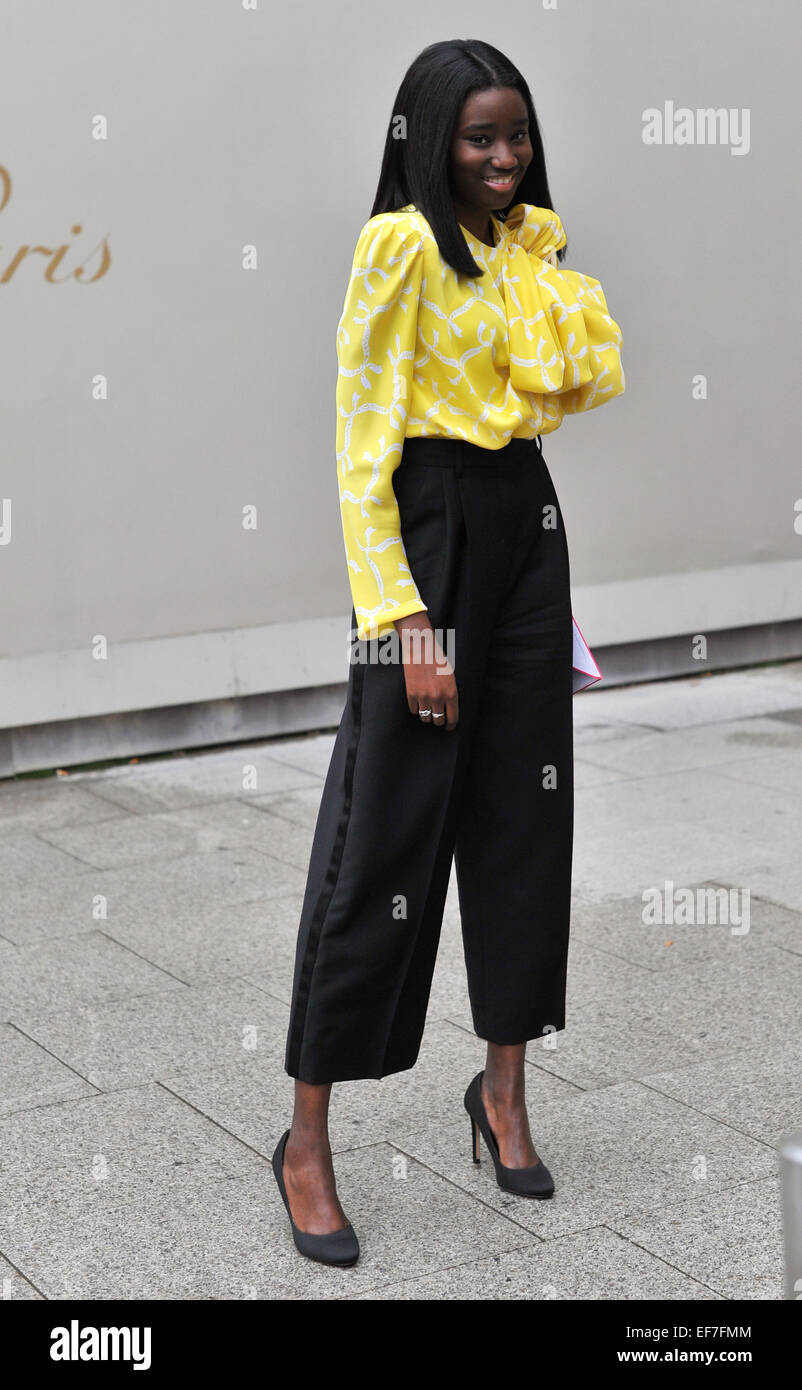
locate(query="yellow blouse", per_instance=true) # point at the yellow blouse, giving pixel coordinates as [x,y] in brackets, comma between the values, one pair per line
[423,350]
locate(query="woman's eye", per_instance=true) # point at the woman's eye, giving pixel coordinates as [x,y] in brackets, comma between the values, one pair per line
[519,135]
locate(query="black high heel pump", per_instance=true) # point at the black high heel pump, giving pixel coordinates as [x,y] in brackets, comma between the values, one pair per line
[333,1247]
[535,1181]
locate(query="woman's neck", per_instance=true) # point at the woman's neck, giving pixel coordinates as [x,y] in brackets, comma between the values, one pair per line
[478,223]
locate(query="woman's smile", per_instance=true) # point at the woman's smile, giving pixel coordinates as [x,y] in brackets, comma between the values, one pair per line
[502,183]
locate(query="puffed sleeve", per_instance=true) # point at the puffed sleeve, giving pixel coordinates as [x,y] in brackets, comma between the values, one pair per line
[599,334]
[375,352]
[563,342]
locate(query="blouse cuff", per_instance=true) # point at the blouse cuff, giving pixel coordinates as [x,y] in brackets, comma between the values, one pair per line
[371,626]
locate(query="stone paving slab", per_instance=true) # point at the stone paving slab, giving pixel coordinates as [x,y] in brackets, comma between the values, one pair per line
[703,699]
[731,1241]
[86,1143]
[25,857]
[59,905]
[44,803]
[13,1285]
[311,754]
[721,1005]
[122,839]
[654,855]
[64,904]
[731,747]
[767,875]
[173,783]
[86,969]
[595,1265]
[200,942]
[298,807]
[615,927]
[133,1040]
[241,875]
[235,824]
[756,1090]
[135,839]
[32,1077]
[713,805]
[783,774]
[588,774]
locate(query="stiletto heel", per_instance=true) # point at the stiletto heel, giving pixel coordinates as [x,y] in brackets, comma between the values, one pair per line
[333,1247]
[475,1137]
[535,1181]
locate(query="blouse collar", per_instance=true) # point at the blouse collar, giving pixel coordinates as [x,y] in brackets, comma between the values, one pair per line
[538,230]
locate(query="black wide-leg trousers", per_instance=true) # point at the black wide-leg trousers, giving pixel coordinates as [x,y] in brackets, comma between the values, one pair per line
[403,799]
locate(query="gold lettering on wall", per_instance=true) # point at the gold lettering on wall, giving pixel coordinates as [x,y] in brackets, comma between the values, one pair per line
[55,253]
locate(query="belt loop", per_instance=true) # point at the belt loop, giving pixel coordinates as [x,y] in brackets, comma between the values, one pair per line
[459,463]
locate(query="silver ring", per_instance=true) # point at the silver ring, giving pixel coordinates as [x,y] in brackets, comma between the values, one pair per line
[424,711]
[438,716]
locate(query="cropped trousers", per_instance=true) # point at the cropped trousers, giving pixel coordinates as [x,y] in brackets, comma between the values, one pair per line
[404,799]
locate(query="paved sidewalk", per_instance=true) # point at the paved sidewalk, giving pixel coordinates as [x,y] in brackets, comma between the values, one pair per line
[146,946]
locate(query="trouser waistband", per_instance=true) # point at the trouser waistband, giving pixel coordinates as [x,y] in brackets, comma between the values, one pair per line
[460,453]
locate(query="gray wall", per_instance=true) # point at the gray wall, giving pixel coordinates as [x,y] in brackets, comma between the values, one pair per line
[230,127]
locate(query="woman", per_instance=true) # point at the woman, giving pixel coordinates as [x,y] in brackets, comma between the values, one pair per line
[461,342]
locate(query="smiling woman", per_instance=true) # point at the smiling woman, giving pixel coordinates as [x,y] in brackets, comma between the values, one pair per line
[462,341]
[490,153]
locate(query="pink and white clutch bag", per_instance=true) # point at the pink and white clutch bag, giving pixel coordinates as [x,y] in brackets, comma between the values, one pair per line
[586,672]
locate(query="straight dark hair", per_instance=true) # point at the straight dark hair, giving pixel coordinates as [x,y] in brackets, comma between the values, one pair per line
[415,166]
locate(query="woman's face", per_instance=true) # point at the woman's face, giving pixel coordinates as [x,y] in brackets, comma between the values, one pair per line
[490,150]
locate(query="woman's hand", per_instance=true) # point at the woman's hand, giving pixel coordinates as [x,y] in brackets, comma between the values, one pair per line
[429,678]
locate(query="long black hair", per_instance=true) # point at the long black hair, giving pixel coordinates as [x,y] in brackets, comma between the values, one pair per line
[415,166]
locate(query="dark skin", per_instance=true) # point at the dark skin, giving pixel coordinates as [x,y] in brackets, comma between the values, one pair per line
[491,139]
